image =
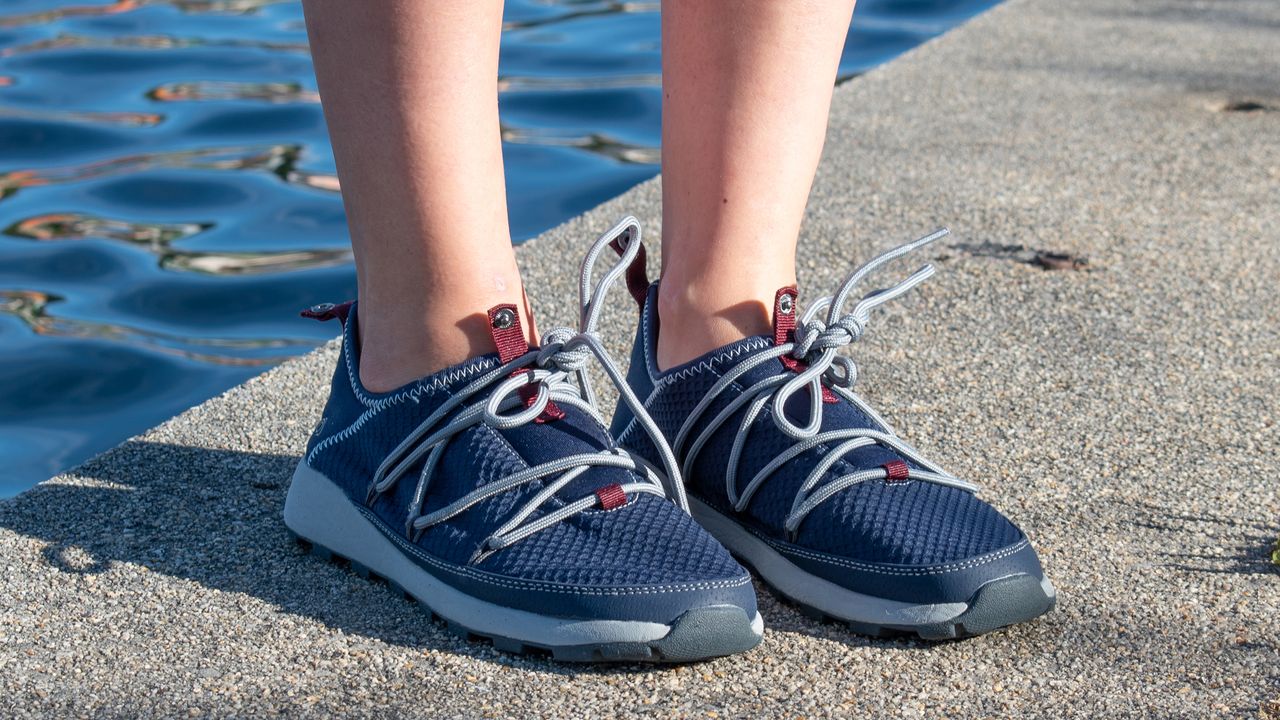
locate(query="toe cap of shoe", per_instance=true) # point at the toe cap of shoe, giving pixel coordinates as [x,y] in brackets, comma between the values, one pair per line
[647,561]
[951,582]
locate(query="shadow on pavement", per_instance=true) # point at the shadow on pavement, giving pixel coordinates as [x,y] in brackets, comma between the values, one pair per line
[1219,543]
[214,517]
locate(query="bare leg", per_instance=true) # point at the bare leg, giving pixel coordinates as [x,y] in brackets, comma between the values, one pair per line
[746,90]
[411,98]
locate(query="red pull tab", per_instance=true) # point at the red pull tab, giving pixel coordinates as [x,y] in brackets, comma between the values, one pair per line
[328,311]
[637,274]
[784,330]
[784,320]
[896,471]
[507,333]
[611,496]
[508,337]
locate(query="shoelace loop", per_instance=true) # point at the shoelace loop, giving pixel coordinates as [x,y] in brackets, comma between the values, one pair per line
[818,342]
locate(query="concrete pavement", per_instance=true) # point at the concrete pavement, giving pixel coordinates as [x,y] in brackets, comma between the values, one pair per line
[1122,411]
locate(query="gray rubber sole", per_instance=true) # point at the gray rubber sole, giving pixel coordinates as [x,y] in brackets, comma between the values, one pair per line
[999,603]
[320,517]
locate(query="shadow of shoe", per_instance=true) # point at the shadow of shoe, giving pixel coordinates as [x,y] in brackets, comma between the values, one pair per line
[214,517]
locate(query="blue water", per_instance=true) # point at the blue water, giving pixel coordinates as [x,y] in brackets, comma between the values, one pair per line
[168,199]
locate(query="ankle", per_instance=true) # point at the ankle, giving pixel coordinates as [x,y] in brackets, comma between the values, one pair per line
[696,319]
[399,347]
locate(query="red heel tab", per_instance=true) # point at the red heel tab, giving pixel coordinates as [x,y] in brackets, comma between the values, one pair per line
[507,332]
[508,337]
[784,316]
[637,272]
[329,311]
[785,309]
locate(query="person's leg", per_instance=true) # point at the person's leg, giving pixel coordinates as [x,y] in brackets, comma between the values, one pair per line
[411,98]
[873,526]
[409,87]
[746,90]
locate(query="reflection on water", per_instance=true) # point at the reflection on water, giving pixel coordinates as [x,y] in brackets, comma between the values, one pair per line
[59,11]
[169,201]
[32,308]
[158,239]
[596,143]
[211,90]
[75,226]
[105,118]
[146,42]
[279,160]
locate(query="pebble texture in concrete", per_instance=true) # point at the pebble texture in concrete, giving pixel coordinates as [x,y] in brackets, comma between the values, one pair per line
[1124,412]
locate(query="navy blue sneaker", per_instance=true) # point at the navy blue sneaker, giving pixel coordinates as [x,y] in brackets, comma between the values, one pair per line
[492,493]
[810,487]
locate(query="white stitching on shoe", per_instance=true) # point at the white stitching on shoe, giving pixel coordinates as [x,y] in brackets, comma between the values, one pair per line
[646,333]
[375,406]
[865,567]
[413,391]
[749,345]
[565,588]
[341,435]
[659,388]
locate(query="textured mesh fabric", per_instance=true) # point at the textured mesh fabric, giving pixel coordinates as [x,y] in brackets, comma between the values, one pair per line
[648,541]
[909,523]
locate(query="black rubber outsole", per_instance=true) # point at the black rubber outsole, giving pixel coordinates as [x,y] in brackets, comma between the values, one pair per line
[998,604]
[699,634]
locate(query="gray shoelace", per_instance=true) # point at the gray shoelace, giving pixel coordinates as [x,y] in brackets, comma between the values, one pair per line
[559,373]
[817,344]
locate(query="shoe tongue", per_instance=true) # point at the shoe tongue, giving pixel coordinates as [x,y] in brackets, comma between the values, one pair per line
[574,434]
[835,416]
[558,432]
[478,457]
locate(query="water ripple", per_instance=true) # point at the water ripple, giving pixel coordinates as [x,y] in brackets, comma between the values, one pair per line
[128,119]
[596,143]
[143,42]
[279,160]
[158,239]
[210,90]
[32,308]
[78,226]
[509,83]
[124,6]
[598,9]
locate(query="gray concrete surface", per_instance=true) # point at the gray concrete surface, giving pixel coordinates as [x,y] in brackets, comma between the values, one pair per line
[1125,414]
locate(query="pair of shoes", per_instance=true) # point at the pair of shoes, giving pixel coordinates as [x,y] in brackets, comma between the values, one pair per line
[494,493]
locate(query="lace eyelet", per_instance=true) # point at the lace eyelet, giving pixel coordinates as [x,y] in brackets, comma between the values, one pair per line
[504,319]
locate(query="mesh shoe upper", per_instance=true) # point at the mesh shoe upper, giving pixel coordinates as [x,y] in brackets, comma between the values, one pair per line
[916,523]
[648,541]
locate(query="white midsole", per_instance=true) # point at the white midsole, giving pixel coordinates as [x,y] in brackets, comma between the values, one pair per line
[318,511]
[812,590]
